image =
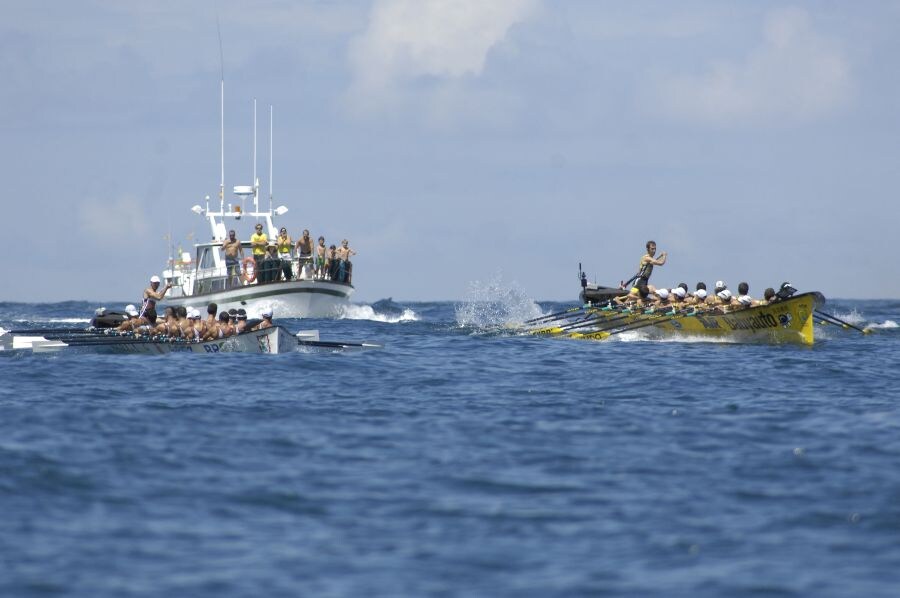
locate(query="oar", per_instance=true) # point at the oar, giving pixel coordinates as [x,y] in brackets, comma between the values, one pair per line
[836,320]
[43,331]
[602,334]
[582,324]
[338,345]
[554,316]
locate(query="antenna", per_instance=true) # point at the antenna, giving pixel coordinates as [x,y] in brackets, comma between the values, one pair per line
[255,181]
[270,156]
[221,119]
[254,141]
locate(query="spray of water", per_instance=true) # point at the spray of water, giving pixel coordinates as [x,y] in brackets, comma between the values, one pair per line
[495,304]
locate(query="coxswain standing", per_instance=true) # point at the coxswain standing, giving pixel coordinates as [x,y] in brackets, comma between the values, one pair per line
[648,260]
[151,296]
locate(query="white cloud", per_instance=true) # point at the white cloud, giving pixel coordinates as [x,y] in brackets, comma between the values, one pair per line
[445,40]
[795,74]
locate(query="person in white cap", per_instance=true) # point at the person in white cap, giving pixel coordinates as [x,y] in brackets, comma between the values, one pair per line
[134,321]
[151,296]
[724,300]
[266,315]
[662,297]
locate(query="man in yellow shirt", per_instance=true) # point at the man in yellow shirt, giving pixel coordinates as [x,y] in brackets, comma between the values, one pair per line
[258,243]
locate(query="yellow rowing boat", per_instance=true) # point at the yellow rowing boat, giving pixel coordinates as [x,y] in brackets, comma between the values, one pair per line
[788,321]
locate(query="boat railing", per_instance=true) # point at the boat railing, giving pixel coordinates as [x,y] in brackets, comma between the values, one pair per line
[216,279]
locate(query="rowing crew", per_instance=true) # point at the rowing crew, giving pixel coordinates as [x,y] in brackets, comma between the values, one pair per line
[183,323]
[646,295]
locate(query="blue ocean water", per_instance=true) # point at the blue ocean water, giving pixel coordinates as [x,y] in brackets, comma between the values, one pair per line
[462,459]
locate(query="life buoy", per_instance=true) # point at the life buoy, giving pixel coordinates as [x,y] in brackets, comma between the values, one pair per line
[249,269]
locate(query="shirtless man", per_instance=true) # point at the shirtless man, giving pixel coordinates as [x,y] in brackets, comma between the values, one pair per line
[321,258]
[151,296]
[345,266]
[234,253]
[134,321]
[169,323]
[222,329]
[304,249]
[210,323]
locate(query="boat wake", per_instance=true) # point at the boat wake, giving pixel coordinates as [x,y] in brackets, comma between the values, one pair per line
[378,313]
[495,304]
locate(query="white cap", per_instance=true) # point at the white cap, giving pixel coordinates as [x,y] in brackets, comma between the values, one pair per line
[745,300]
[154,278]
[724,294]
[720,285]
[100,311]
[131,310]
[679,292]
[194,314]
[662,293]
[700,293]
[266,312]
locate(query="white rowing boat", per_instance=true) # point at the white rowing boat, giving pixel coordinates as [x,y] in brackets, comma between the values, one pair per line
[276,339]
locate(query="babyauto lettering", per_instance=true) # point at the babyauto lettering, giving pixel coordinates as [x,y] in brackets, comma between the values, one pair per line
[708,323]
[758,322]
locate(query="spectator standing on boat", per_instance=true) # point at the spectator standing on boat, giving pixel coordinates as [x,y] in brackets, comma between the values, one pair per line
[321,259]
[284,244]
[234,253]
[345,266]
[304,249]
[271,267]
[151,296]
[258,243]
[331,263]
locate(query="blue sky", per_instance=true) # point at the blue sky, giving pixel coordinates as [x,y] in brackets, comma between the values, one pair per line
[454,142]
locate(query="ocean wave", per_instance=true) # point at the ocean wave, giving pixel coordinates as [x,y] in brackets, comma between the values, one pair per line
[367,312]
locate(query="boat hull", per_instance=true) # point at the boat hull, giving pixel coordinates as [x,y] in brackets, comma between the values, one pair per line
[290,299]
[269,341]
[788,321]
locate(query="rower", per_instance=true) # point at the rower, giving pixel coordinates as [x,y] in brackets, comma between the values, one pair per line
[134,321]
[266,315]
[744,297]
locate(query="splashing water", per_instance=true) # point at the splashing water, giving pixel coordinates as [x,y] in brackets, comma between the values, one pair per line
[888,324]
[494,304]
[366,312]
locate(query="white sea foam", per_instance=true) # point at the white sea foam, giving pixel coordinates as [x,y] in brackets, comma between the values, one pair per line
[887,324]
[365,312]
[495,303]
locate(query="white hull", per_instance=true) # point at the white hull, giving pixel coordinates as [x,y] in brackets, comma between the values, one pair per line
[269,341]
[291,299]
